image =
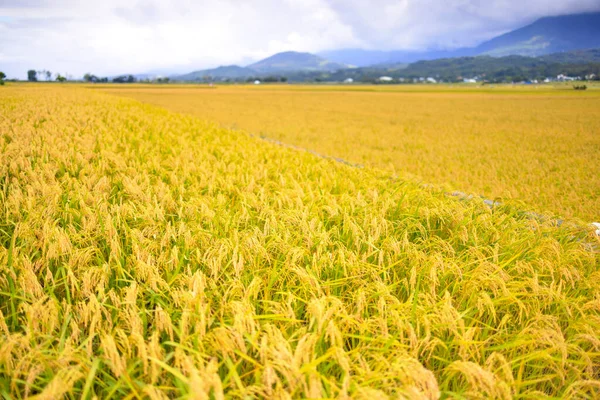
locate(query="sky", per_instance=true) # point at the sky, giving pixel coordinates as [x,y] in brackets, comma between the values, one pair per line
[110,37]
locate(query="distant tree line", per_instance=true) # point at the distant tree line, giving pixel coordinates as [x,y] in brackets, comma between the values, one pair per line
[156,80]
[247,79]
[269,79]
[93,78]
[32,76]
[497,69]
[122,79]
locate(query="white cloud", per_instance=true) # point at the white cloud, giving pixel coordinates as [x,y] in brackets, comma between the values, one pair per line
[418,24]
[115,36]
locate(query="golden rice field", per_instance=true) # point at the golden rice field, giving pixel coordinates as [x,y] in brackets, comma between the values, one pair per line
[538,145]
[148,254]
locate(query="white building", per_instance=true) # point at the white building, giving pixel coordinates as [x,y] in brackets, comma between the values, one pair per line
[386,79]
[564,78]
[349,80]
[257,82]
[466,80]
[431,80]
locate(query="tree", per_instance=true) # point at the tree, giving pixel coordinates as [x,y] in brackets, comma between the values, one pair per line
[32,75]
[48,75]
[90,78]
[124,79]
[60,78]
[2,76]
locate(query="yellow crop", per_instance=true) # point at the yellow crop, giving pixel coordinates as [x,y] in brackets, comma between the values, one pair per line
[148,254]
[540,145]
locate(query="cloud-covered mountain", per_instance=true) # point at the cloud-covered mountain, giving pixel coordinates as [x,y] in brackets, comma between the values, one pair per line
[545,36]
[277,64]
[294,61]
[223,72]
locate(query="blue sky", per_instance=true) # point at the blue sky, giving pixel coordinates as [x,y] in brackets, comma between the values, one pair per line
[115,36]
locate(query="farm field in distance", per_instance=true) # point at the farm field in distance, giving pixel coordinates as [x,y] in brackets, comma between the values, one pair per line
[146,253]
[538,145]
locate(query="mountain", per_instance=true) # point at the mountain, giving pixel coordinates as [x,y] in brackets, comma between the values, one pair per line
[365,58]
[292,61]
[283,64]
[558,36]
[547,35]
[514,68]
[492,69]
[507,68]
[544,36]
[222,72]
[574,57]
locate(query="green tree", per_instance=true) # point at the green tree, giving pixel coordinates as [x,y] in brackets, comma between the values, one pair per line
[32,75]
[124,79]
[2,76]
[90,78]
[60,78]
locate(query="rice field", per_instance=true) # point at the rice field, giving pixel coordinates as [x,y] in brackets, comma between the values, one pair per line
[146,253]
[538,145]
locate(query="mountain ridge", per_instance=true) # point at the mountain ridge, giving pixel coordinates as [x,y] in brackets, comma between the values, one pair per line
[579,62]
[224,71]
[546,35]
[278,64]
[294,61]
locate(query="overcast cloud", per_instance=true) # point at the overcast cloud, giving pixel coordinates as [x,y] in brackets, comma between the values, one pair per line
[115,36]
